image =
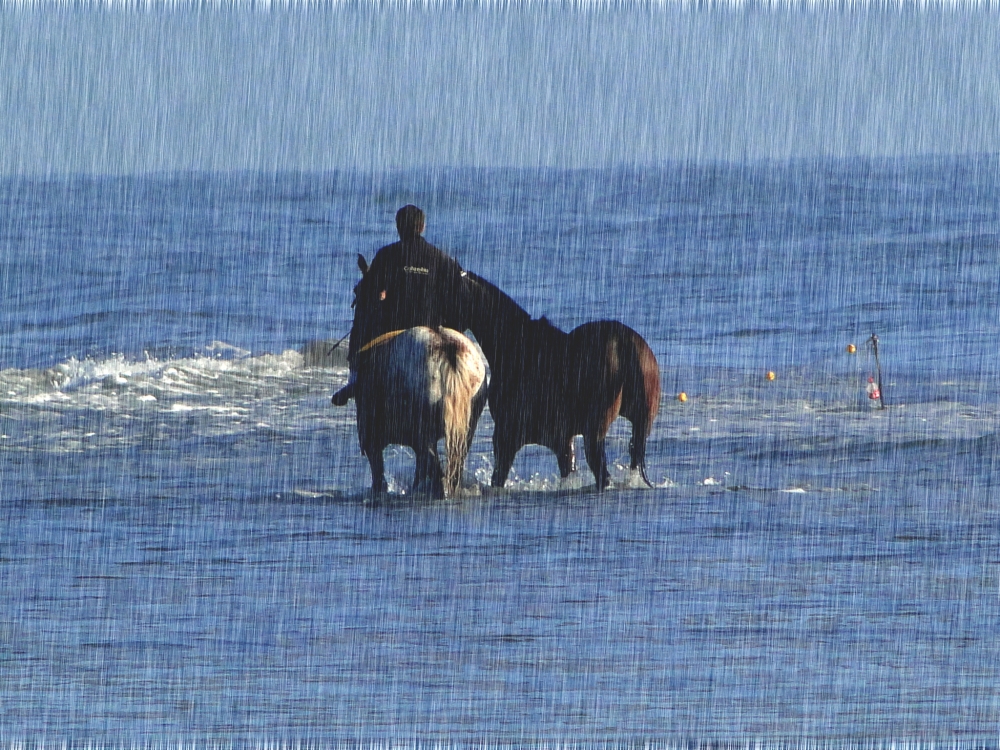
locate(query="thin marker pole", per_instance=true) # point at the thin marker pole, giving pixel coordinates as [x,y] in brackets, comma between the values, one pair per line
[878,370]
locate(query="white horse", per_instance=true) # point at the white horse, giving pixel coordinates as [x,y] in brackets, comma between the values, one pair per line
[413,387]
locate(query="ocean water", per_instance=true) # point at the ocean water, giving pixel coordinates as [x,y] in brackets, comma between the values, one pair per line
[190,553]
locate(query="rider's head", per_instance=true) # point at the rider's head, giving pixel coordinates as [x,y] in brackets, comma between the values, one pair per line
[409,222]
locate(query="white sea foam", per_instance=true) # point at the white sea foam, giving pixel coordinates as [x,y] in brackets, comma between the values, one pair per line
[111,403]
[116,402]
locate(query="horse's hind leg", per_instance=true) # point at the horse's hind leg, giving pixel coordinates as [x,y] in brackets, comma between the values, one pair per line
[640,399]
[566,456]
[593,444]
[504,451]
[637,451]
[428,471]
[377,464]
[593,440]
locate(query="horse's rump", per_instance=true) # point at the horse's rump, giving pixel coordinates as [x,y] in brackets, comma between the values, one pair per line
[416,386]
[606,359]
[615,372]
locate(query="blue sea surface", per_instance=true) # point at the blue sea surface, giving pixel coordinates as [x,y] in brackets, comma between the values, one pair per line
[191,554]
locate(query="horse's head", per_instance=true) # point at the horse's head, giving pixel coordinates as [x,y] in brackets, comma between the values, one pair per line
[363,267]
[366,310]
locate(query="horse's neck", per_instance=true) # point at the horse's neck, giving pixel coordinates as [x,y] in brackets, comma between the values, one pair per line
[492,335]
[499,324]
[513,341]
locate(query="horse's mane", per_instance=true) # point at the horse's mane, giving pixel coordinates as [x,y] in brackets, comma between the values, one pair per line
[546,324]
[495,305]
[493,299]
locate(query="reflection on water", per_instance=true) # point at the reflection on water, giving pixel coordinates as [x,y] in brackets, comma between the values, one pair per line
[528,616]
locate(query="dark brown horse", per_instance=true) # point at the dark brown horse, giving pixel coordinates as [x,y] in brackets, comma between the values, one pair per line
[547,386]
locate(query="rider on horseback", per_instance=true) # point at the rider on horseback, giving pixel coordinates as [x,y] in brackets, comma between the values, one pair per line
[409,283]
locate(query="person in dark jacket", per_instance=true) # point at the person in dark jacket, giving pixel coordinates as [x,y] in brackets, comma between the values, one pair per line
[409,283]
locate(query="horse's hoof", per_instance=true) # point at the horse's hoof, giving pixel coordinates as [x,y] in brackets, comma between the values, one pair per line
[375,494]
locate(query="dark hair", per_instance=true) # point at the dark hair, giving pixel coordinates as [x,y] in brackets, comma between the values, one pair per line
[409,222]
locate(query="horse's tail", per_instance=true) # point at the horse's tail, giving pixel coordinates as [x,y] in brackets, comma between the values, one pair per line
[460,383]
[640,394]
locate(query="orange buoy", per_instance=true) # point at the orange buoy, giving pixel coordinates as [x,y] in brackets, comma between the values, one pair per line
[682,397]
[851,349]
[770,375]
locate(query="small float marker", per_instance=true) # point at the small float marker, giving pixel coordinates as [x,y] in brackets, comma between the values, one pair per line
[682,397]
[851,349]
[770,375]
[872,388]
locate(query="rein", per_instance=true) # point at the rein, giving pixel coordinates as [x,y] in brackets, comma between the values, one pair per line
[378,340]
